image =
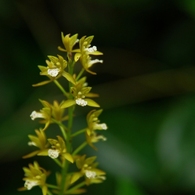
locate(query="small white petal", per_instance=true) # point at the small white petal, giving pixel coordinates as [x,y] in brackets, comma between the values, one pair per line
[91,62]
[102,137]
[35,115]
[29,184]
[90,174]
[101,126]
[53,153]
[81,102]
[101,177]
[32,144]
[97,138]
[91,49]
[53,72]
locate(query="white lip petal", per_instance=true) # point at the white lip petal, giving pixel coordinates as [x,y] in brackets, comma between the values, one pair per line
[53,72]
[81,102]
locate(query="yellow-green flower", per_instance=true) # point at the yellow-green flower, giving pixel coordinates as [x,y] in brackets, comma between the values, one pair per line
[94,123]
[55,69]
[93,138]
[39,141]
[85,51]
[82,96]
[85,46]
[88,62]
[58,147]
[35,176]
[50,113]
[88,169]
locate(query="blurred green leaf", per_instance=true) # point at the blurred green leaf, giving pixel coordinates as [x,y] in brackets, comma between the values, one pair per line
[126,187]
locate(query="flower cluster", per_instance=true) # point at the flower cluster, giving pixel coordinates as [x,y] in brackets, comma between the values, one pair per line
[61,114]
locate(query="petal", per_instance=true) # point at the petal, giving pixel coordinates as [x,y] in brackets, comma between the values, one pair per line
[92,103]
[31,154]
[77,56]
[68,157]
[43,152]
[61,49]
[75,177]
[44,190]
[68,77]
[41,83]
[90,160]
[68,103]
[96,53]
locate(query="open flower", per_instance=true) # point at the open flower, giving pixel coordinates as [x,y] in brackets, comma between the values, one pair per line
[58,147]
[35,176]
[39,141]
[93,138]
[88,62]
[50,113]
[85,51]
[88,169]
[82,95]
[55,69]
[94,123]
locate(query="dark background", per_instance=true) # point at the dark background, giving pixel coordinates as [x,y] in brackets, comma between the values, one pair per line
[146,86]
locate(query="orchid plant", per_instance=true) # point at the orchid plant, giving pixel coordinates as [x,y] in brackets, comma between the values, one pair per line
[78,53]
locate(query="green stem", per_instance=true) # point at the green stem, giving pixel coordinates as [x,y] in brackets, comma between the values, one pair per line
[64,173]
[80,74]
[57,162]
[49,193]
[76,187]
[69,148]
[68,133]
[65,163]
[63,131]
[52,186]
[70,114]
[61,88]
[79,148]
[78,132]
[71,66]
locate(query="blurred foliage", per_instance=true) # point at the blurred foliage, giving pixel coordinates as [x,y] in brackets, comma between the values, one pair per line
[146,87]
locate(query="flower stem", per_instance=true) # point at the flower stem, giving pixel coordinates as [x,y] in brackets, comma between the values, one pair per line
[80,74]
[57,162]
[63,131]
[79,148]
[49,193]
[61,88]
[76,187]
[70,122]
[64,173]
[52,186]
[78,132]
[69,148]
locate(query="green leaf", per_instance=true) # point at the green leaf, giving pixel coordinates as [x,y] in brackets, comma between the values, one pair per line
[126,187]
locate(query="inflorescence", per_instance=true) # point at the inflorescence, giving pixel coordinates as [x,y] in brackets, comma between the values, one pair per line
[60,148]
